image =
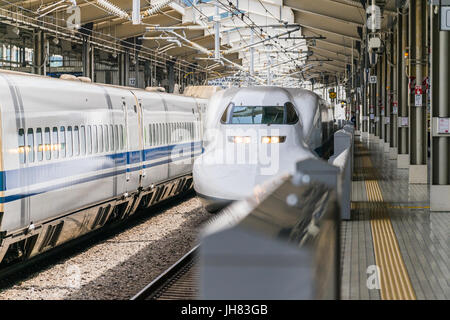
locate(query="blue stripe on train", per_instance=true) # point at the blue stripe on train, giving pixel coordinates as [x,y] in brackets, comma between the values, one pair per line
[87,179]
[50,171]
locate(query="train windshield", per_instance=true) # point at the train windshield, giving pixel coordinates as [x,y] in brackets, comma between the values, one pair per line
[284,114]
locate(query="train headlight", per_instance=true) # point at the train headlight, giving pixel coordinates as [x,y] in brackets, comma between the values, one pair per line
[265,140]
[273,139]
[239,139]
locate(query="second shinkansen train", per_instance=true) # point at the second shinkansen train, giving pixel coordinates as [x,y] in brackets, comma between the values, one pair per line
[253,134]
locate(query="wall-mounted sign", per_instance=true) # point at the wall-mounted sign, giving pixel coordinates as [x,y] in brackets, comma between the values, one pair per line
[443,125]
[418,100]
[445,18]
[373,79]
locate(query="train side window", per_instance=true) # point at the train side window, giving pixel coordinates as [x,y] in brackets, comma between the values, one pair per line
[94,139]
[83,140]
[100,138]
[150,130]
[21,146]
[166,132]
[55,143]
[111,137]
[40,146]
[106,134]
[76,141]
[30,147]
[122,137]
[145,136]
[47,144]
[158,134]
[89,139]
[62,139]
[291,115]
[69,141]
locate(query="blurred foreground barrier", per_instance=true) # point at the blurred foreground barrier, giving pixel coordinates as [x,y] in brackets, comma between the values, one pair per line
[343,159]
[283,243]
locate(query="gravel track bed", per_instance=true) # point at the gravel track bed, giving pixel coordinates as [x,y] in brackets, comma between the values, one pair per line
[119,266]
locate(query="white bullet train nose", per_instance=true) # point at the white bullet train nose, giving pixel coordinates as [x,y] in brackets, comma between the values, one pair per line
[252,135]
[218,184]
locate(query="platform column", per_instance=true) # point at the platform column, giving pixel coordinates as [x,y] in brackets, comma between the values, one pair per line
[387,101]
[124,68]
[364,82]
[383,96]
[170,75]
[418,172]
[403,120]
[393,113]
[39,53]
[378,101]
[440,105]
[87,57]
[372,103]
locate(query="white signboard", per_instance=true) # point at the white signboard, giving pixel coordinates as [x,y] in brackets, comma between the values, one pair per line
[372,116]
[387,120]
[403,121]
[373,79]
[443,126]
[418,100]
[445,18]
[394,109]
[132,81]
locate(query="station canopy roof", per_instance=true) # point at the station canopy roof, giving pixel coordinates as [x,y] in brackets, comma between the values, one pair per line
[292,40]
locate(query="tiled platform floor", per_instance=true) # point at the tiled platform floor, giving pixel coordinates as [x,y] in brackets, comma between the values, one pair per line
[423,236]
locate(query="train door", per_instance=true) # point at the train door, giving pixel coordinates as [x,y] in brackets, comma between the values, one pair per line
[140,131]
[128,142]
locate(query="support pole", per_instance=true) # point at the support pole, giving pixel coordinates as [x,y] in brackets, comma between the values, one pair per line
[440,108]
[403,154]
[418,172]
[39,58]
[378,101]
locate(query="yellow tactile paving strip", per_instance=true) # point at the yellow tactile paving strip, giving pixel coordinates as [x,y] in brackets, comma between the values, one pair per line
[394,279]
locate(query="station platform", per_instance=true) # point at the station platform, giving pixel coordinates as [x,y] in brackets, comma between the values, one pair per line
[392,228]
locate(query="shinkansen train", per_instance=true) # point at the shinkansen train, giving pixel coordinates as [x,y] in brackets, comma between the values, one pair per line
[75,156]
[253,134]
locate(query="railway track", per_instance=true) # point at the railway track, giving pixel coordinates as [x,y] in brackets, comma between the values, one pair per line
[16,272]
[179,282]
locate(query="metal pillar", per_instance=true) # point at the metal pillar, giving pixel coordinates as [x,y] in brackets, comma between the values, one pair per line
[440,111]
[418,172]
[170,75]
[403,125]
[392,112]
[378,101]
[388,101]
[124,68]
[87,57]
[364,81]
[399,83]
[39,55]
[383,96]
